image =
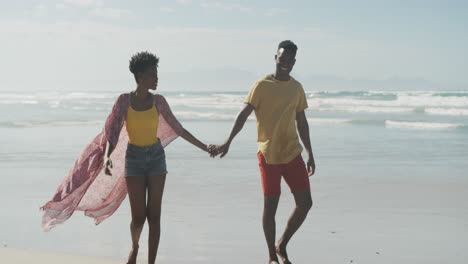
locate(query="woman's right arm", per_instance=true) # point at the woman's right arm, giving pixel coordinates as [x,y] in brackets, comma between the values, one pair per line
[107,160]
[112,129]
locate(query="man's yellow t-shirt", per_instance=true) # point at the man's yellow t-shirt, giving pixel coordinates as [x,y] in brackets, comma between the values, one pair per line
[276,104]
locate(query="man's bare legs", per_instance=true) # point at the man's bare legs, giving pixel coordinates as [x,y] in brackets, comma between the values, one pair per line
[303,205]
[269,224]
[136,186]
[155,193]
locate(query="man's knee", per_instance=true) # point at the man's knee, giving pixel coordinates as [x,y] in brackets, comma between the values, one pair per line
[305,206]
[270,205]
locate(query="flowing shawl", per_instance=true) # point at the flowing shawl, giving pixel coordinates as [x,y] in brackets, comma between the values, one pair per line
[86,187]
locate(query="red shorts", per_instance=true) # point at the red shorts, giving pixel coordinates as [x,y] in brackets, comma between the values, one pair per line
[294,173]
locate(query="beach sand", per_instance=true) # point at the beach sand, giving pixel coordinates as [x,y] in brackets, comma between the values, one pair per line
[17,256]
[353,221]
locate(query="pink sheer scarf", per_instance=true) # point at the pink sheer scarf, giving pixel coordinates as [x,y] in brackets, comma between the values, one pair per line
[86,187]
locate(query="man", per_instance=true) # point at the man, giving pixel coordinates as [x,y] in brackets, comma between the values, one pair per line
[279,102]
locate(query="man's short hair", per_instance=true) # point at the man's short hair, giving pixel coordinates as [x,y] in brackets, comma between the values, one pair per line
[288,45]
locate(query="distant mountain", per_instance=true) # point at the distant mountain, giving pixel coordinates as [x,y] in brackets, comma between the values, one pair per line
[231,79]
[225,79]
[329,82]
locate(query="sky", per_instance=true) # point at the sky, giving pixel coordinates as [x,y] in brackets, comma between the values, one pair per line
[87,43]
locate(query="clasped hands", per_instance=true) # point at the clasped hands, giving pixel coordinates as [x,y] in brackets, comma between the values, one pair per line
[215,150]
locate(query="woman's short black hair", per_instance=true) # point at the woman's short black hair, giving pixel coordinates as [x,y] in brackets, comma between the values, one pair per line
[288,45]
[142,61]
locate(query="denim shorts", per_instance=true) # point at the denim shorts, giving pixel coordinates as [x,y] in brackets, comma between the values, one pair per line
[145,161]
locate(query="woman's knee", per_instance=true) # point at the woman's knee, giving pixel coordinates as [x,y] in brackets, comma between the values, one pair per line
[138,221]
[154,216]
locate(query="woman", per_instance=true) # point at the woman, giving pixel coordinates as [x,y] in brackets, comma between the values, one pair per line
[137,130]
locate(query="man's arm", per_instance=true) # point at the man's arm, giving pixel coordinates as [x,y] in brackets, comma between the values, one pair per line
[303,128]
[238,125]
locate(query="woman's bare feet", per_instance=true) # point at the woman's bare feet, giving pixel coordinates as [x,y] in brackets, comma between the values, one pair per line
[281,251]
[132,257]
[273,258]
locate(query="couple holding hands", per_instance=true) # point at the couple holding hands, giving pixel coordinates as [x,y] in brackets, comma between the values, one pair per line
[141,124]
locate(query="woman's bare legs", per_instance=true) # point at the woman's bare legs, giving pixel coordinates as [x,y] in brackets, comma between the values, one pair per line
[153,213]
[136,186]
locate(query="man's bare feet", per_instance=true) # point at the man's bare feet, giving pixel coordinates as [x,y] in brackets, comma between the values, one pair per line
[281,251]
[132,257]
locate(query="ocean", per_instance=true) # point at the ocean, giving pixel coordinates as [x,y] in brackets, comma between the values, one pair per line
[392,172]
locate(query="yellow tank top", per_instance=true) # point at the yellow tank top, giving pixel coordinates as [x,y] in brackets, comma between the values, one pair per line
[142,126]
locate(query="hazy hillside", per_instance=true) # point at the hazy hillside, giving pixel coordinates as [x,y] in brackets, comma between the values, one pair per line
[225,79]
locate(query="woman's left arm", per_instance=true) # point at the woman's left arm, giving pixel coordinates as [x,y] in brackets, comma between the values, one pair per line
[193,140]
[176,126]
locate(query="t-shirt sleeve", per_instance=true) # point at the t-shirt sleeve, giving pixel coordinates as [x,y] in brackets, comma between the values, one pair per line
[302,102]
[253,98]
